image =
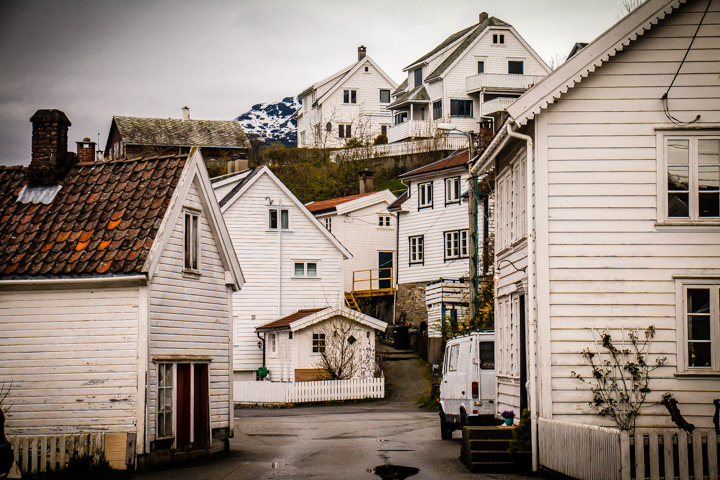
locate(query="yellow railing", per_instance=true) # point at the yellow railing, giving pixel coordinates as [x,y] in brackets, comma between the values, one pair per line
[369,283]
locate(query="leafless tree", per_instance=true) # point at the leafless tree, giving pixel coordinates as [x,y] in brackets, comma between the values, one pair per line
[347,352]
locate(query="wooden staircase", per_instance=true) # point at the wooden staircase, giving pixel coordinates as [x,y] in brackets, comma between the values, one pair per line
[484,450]
[351,301]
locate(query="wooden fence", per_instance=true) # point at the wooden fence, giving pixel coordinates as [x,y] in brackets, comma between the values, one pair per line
[588,452]
[300,392]
[42,453]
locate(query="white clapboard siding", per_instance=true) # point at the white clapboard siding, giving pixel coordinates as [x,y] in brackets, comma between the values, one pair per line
[267,293]
[190,315]
[68,359]
[301,392]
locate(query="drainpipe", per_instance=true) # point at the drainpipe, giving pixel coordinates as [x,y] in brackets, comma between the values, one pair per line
[280,259]
[531,289]
[262,339]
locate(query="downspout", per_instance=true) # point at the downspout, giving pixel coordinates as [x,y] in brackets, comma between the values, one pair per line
[262,339]
[280,262]
[532,326]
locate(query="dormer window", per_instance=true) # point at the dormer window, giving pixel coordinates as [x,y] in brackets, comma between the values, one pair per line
[417,74]
[498,39]
[349,96]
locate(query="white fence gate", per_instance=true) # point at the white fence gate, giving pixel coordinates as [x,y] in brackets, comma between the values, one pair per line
[299,392]
[588,452]
[42,453]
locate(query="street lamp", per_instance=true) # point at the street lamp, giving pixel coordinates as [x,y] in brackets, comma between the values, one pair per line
[473,211]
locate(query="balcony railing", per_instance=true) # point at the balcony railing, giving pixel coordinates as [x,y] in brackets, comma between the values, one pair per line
[410,129]
[496,105]
[501,82]
[401,148]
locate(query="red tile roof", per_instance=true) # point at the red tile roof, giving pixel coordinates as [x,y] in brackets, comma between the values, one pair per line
[284,322]
[457,159]
[103,221]
[398,202]
[333,202]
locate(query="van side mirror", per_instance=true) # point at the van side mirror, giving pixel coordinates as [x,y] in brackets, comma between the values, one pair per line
[436,369]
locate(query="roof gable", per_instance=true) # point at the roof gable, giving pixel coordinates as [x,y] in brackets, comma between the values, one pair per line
[306,317]
[247,182]
[350,203]
[354,68]
[459,158]
[587,60]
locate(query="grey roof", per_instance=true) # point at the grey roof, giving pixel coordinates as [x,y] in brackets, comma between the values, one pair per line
[180,133]
[448,41]
[460,49]
[417,94]
[239,186]
[402,87]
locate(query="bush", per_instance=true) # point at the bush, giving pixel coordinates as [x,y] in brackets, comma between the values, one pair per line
[520,442]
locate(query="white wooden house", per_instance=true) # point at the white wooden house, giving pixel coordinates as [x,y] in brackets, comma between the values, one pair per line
[433,247]
[115,300]
[364,226]
[350,104]
[290,260]
[608,186]
[472,74]
[296,343]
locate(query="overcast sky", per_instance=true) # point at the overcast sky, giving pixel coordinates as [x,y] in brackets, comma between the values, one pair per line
[94,59]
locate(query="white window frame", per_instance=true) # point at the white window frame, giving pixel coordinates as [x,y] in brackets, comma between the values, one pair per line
[272,344]
[344,130]
[425,195]
[318,343]
[328,223]
[389,95]
[510,204]
[191,241]
[306,268]
[164,388]
[416,249]
[350,96]
[456,244]
[663,138]
[452,190]
[682,285]
[280,210]
[383,220]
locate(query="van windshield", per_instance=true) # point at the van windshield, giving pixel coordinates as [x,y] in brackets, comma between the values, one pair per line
[487,355]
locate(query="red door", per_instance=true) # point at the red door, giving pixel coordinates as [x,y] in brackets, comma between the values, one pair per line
[201,417]
[183,404]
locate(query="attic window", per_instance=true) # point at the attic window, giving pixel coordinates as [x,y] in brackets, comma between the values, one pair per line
[367,69]
[191,241]
[498,38]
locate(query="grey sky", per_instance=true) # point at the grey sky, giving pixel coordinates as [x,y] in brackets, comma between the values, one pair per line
[94,59]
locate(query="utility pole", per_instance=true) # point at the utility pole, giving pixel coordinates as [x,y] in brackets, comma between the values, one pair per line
[473,230]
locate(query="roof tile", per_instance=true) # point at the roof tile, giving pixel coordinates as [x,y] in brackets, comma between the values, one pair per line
[321,205]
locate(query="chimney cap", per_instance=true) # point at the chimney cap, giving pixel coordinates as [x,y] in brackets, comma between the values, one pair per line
[50,116]
[86,140]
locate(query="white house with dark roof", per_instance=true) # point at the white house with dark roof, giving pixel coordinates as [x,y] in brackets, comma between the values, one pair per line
[350,104]
[616,225]
[290,260]
[472,74]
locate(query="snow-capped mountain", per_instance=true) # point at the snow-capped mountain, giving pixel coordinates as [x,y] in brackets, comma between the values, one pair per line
[272,122]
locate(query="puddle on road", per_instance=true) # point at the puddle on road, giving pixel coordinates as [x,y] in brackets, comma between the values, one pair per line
[394,472]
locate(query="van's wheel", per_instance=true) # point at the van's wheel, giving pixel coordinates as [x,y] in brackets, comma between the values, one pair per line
[445,430]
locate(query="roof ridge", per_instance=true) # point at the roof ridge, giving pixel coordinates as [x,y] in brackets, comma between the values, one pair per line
[132,160]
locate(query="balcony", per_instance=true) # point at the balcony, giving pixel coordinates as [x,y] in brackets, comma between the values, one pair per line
[500,82]
[430,144]
[496,105]
[410,129]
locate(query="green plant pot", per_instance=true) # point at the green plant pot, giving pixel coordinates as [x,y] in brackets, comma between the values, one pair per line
[508,422]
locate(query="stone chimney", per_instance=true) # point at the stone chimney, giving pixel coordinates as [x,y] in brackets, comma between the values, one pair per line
[86,151]
[50,158]
[483,17]
[237,163]
[186,113]
[362,51]
[366,181]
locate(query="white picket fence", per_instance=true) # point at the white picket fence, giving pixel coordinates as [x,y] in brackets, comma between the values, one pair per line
[42,453]
[300,392]
[588,452]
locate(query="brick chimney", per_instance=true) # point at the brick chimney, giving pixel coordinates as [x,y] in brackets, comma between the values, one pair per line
[86,151]
[50,158]
[366,181]
[362,51]
[483,16]
[186,113]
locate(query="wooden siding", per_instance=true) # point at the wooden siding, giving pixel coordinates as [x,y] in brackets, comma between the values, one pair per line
[69,359]
[189,315]
[266,296]
[432,223]
[609,264]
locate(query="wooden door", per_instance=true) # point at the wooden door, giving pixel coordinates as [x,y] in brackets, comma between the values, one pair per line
[183,404]
[201,417]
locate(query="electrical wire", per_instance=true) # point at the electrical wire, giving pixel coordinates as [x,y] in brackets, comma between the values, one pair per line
[666,106]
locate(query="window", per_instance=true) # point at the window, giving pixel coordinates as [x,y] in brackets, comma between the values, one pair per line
[383,130]
[481,66]
[305,269]
[456,244]
[367,69]
[349,96]
[425,195]
[461,108]
[452,190]
[384,221]
[498,39]
[191,241]
[318,343]
[692,165]
[328,224]
[416,249]
[700,322]
[437,110]
[273,218]
[417,75]
[487,355]
[302,138]
[452,356]
[510,205]
[384,96]
[272,344]
[344,131]
[400,117]
[516,66]
[165,400]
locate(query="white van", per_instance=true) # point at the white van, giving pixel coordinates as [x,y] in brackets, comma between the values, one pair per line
[467,388]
